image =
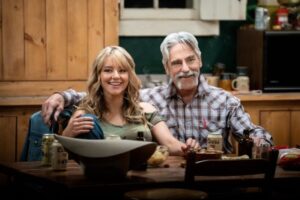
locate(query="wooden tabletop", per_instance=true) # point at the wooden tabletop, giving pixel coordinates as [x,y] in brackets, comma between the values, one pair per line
[171,173]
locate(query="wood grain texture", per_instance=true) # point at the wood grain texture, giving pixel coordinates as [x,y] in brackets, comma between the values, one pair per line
[8,135]
[56,26]
[46,46]
[35,39]
[95,30]
[111,22]
[1,47]
[13,40]
[52,40]
[277,122]
[279,117]
[38,88]
[77,24]
[14,123]
[295,128]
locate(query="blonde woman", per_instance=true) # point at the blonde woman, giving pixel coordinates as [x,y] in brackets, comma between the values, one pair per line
[112,105]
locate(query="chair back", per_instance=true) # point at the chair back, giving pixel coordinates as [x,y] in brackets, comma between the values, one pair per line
[218,167]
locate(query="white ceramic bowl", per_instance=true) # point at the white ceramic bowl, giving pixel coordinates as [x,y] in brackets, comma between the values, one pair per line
[107,158]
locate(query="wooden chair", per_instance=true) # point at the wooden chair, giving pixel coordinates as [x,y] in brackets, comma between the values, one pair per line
[212,168]
[266,167]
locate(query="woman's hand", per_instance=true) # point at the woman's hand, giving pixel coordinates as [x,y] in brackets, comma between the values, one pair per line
[78,125]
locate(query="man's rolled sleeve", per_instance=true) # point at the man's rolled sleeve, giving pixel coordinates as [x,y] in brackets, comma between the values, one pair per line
[71,97]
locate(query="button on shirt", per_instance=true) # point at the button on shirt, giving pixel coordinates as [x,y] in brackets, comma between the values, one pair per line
[211,109]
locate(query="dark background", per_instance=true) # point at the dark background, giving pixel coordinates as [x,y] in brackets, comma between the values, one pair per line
[222,48]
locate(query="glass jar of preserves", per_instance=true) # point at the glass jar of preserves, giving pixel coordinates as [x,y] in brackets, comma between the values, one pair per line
[47,141]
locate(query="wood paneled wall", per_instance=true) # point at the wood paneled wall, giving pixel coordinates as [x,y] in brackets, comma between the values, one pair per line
[46,46]
[49,45]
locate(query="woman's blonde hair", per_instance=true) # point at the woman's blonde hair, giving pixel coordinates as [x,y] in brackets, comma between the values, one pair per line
[94,102]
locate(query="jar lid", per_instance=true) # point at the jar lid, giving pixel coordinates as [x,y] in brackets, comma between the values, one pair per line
[225,76]
[242,70]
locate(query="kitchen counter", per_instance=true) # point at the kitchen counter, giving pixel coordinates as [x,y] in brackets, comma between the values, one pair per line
[22,101]
[268,96]
[38,100]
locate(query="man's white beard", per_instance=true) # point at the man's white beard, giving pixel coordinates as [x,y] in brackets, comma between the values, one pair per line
[183,85]
[187,86]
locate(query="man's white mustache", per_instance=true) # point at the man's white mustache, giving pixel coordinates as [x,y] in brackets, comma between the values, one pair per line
[185,75]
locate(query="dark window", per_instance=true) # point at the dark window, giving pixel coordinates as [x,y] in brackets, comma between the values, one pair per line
[176,4]
[138,4]
[162,3]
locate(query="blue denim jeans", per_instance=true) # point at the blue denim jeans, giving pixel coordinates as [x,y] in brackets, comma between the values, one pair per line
[96,132]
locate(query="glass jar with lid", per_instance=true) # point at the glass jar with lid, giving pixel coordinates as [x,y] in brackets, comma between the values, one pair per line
[225,81]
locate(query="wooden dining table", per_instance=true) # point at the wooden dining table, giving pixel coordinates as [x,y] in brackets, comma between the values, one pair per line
[29,177]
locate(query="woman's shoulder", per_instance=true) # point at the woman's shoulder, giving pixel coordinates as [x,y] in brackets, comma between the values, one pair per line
[147,107]
[151,113]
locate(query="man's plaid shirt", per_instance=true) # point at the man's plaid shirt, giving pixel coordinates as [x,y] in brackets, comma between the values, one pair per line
[210,110]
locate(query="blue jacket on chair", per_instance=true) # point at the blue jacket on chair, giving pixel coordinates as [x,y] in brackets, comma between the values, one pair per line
[32,147]
[32,150]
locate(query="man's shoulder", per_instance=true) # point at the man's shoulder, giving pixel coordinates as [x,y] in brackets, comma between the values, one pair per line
[158,90]
[157,96]
[220,95]
[147,107]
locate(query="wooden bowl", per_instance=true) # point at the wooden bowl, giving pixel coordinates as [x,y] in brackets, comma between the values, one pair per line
[204,154]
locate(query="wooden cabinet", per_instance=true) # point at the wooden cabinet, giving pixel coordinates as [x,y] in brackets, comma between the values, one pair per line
[277,122]
[277,113]
[284,125]
[14,121]
[8,137]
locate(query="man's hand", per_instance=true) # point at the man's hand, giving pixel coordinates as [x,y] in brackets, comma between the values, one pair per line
[258,142]
[52,106]
[190,144]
